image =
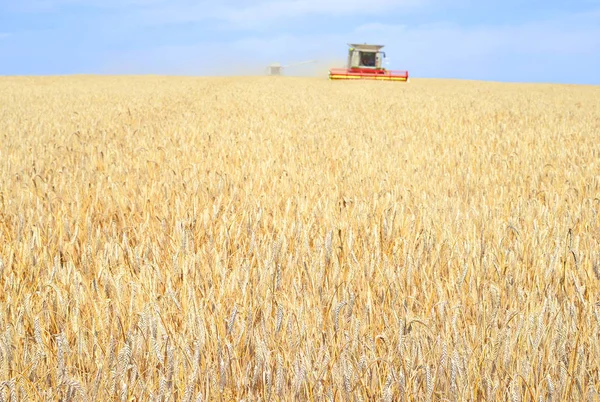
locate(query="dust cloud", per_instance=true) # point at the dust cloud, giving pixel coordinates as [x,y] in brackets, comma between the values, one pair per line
[194,61]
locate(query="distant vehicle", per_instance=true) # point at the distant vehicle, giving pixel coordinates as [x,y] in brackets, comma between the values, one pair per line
[277,68]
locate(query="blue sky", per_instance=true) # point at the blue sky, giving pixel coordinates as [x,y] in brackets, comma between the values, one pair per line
[510,40]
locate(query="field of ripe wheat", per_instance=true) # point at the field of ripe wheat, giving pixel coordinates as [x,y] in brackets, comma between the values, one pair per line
[196,239]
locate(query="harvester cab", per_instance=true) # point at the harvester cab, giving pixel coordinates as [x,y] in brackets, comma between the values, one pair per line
[365,56]
[366,62]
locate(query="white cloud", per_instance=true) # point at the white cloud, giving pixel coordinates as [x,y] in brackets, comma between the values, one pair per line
[250,13]
[564,47]
[556,49]
[300,8]
[239,15]
[44,5]
[570,34]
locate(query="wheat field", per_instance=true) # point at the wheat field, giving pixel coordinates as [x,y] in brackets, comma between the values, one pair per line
[286,238]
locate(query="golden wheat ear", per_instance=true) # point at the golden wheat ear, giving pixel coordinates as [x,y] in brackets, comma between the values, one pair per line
[244,239]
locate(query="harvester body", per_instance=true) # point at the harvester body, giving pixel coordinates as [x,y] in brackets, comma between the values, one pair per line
[366,62]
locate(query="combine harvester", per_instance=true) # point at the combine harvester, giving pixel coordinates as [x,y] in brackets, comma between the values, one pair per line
[276,69]
[365,63]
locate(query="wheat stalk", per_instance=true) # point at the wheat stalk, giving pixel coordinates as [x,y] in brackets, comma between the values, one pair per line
[244,239]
